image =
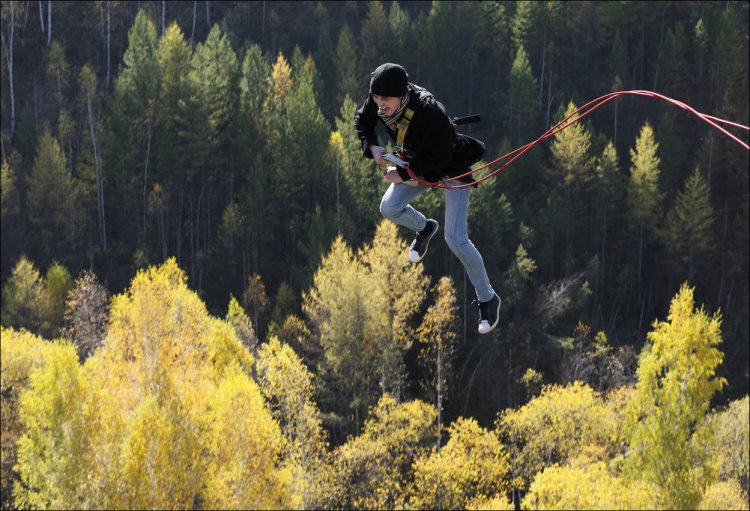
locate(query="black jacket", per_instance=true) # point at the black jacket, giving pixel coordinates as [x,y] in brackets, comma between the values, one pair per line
[433,148]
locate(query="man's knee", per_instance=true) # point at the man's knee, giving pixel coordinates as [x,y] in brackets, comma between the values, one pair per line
[389,210]
[456,241]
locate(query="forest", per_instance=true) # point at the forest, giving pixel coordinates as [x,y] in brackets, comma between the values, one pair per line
[202,306]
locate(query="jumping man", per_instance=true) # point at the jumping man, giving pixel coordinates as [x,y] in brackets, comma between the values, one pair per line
[426,138]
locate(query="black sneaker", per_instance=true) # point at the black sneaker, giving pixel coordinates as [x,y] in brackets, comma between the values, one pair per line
[489,315]
[418,247]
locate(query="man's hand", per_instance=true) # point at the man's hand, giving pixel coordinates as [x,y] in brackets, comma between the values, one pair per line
[377,154]
[392,176]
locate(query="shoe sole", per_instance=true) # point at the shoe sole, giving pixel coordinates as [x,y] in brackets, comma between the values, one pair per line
[427,245]
[497,321]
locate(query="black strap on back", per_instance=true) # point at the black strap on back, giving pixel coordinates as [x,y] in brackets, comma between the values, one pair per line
[469,119]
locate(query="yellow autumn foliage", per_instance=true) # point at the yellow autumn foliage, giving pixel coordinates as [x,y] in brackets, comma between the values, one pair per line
[472,465]
[374,469]
[676,381]
[724,495]
[589,487]
[21,352]
[554,426]
[165,415]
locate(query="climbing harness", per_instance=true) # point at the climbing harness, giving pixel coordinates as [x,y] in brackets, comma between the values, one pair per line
[571,119]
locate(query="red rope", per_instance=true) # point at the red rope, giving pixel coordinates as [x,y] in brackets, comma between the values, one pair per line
[585,111]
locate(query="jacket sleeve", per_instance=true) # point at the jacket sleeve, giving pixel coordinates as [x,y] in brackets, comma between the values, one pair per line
[365,121]
[435,137]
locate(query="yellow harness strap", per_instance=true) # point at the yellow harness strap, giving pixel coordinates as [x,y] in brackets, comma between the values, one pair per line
[403,126]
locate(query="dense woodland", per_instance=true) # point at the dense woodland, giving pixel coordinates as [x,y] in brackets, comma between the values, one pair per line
[186,212]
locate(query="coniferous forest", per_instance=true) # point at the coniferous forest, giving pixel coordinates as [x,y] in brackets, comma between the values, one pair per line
[203,308]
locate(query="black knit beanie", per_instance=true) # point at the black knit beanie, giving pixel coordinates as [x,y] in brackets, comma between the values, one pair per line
[389,80]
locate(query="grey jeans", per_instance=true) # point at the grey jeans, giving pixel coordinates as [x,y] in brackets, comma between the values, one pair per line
[395,207]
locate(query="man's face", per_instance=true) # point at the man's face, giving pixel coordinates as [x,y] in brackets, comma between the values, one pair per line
[387,104]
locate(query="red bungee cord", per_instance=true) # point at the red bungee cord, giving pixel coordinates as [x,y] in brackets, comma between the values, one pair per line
[572,119]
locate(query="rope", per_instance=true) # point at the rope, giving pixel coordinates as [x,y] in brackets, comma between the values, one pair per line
[572,119]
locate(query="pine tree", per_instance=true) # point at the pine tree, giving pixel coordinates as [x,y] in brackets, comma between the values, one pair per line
[9,214]
[348,67]
[610,190]
[523,101]
[25,300]
[572,170]
[53,207]
[134,115]
[643,195]
[254,87]
[58,284]
[172,162]
[58,73]
[375,35]
[687,233]
[361,184]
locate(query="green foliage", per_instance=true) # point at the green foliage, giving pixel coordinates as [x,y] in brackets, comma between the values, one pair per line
[571,151]
[8,188]
[53,207]
[687,230]
[523,100]
[348,67]
[25,300]
[125,141]
[337,309]
[644,197]
[361,184]
[58,284]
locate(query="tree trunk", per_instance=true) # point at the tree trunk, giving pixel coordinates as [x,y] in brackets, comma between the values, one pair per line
[49,22]
[192,32]
[338,200]
[8,46]
[99,180]
[41,15]
[109,33]
[640,268]
[439,393]
[145,177]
